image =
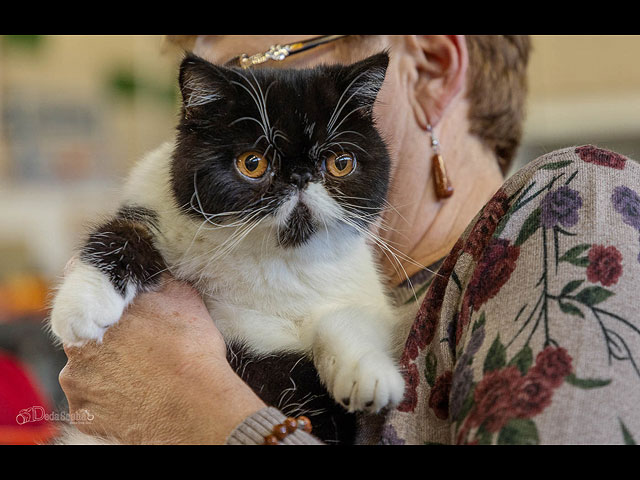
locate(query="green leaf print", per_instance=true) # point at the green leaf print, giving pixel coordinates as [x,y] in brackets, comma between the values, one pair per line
[586,383]
[556,165]
[570,309]
[479,323]
[570,287]
[530,226]
[573,255]
[496,357]
[593,295]
[483,437]
[523,359]
[519,431]
[626,434]
[431,364]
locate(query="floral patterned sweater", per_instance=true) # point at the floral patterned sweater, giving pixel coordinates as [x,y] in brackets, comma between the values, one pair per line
[529,333]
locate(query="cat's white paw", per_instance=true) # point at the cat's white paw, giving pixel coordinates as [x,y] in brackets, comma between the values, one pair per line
[85,305]
[370,383]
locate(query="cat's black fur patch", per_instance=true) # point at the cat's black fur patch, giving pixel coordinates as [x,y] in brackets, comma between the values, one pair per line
[122,248]
[140,215]
[291,383]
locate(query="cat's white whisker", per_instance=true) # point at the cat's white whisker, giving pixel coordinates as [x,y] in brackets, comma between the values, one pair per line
[361,107]
[336,111]
[396,255]
[234,240]
[335,135]
[260,99]
[387,204]
[263,123]
[185,258]
[241,119]
[340,145]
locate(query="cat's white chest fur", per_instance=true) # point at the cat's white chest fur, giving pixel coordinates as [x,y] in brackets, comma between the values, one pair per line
[274,303]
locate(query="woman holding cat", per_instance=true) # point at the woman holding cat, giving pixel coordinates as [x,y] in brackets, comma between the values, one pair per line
[524,318]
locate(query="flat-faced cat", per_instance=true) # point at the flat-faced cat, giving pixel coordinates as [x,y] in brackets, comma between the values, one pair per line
[264,203]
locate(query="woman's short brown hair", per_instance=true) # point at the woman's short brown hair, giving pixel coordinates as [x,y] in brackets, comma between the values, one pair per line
[497,90]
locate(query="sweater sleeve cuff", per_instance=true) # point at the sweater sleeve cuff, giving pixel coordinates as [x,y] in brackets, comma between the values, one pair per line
[257,426]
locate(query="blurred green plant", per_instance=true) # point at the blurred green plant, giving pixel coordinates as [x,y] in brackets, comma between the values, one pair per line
[123,83]
[30,43]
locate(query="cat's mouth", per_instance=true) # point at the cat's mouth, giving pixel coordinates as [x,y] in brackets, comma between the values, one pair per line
[303,213]
[299,227]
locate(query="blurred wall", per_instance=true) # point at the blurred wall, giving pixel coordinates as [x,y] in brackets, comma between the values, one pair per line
[583,89]
[75,112]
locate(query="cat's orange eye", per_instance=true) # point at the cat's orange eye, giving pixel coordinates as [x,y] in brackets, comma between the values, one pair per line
[340,165]
[252,164]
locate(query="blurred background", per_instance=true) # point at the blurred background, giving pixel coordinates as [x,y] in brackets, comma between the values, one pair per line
[77,111]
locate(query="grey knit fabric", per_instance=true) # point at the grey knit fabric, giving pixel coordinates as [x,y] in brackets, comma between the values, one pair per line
[257,426]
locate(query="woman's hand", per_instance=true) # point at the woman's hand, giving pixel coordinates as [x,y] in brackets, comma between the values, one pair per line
[160,376]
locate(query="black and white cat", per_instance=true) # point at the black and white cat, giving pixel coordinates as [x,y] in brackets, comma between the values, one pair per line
[264,203]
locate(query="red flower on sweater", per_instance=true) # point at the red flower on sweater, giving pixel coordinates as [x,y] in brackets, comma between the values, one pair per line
[486,224]
[599,156]
[412,379]
[422,331]
[439,397]
[532,396]
[605,265]
[494,399]
[553,364]
[494,269]
[505,394]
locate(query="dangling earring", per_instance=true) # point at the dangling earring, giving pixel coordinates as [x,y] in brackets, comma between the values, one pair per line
[440,178]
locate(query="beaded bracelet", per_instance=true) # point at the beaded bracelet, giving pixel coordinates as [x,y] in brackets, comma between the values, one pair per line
[290,425]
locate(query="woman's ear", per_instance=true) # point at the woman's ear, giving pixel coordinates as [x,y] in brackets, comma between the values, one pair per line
[441,63]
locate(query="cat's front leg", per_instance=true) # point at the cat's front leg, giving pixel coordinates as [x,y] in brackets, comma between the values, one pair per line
[117,261]
[352,353]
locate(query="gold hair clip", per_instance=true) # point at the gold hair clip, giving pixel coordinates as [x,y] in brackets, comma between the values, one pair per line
[280,52]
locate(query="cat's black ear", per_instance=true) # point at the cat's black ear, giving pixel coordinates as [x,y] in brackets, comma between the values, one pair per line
[201,82]
[364,80]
